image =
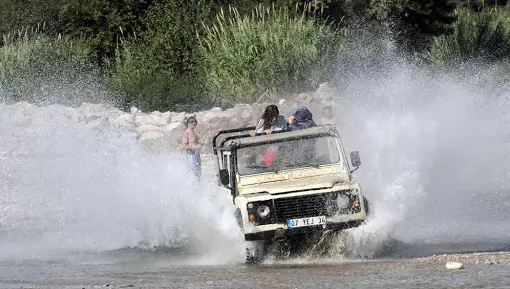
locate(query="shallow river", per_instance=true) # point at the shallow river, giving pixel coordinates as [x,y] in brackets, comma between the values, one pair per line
[154,270]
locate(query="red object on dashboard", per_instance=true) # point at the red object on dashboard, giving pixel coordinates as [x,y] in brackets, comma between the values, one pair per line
[268,157]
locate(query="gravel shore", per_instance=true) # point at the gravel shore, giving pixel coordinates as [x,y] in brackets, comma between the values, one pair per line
[470,258]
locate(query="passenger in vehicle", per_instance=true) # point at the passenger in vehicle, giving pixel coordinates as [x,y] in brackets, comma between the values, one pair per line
[301,151]
[270,121]
[328,117]
[301,119]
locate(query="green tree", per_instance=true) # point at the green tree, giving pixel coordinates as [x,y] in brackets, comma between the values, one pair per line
[422,19]
[162,68]
[101,23]
[477,36]
[18,14]
[414,22]
[479,5]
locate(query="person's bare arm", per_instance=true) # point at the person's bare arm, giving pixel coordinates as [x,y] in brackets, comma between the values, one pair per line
[185,141]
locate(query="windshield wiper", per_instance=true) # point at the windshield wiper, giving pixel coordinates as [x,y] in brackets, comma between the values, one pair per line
[298,166]
[257,167]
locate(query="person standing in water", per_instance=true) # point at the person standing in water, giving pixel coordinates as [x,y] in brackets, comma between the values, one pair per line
[190,143]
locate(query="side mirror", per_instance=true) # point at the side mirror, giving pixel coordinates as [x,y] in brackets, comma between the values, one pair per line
[224,177]
[355,159]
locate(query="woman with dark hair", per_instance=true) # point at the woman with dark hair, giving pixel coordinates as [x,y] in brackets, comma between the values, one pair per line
[271,120]
[190,143]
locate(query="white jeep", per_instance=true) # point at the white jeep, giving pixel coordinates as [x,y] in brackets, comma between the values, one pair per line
[289,186]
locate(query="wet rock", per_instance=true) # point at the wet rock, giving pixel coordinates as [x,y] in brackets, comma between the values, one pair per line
[155,118]
[134,110]
[158,128]
[173,126]
[91,112]
[154,141]
[151,135]
[98,123]
[167,116]
[173,132]
[124,120]
[454,265]
[178,117]
[146,128]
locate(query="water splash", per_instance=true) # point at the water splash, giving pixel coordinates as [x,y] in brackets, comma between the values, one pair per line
[68,188]
[435,151]
[434,148]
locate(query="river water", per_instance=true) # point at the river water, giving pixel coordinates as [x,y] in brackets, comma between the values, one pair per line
[144,270]
[81,207]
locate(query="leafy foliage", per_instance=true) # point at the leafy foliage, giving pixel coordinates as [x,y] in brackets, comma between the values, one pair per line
[32,67]
[100,24]
[161,70]
[423,19]
[169,54]
[16,15]
[479,5]
[270,50]
[483,36]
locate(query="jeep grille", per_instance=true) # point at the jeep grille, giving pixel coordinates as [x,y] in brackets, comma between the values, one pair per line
[310,206]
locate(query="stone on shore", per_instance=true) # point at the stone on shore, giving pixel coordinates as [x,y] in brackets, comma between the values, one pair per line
[454,265]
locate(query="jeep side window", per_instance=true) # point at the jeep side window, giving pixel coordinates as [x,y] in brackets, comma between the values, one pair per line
[226,161]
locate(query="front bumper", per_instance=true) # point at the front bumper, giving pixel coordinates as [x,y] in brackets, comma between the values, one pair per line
[299,205]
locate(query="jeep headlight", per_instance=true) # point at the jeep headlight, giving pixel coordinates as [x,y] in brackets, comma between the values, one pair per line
[342,201]
[263,211]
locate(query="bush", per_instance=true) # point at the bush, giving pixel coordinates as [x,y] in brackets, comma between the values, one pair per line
[38,68]
[271,50]
[483,36]
[161,69]
[144,83]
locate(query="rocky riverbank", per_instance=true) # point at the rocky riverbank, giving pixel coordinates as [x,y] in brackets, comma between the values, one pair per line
[156,130]
[488,258]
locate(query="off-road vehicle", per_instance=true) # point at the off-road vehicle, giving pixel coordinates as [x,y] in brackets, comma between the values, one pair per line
[289,186]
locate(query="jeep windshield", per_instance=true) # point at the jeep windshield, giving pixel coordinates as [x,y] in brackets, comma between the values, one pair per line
[288,154]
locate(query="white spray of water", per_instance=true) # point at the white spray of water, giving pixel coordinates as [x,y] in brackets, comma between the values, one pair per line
[435,156]
[66,188]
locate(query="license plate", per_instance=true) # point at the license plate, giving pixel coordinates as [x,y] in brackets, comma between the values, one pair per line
[304,222]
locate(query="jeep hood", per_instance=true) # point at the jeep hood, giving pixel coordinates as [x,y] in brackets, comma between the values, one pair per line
[281,182]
